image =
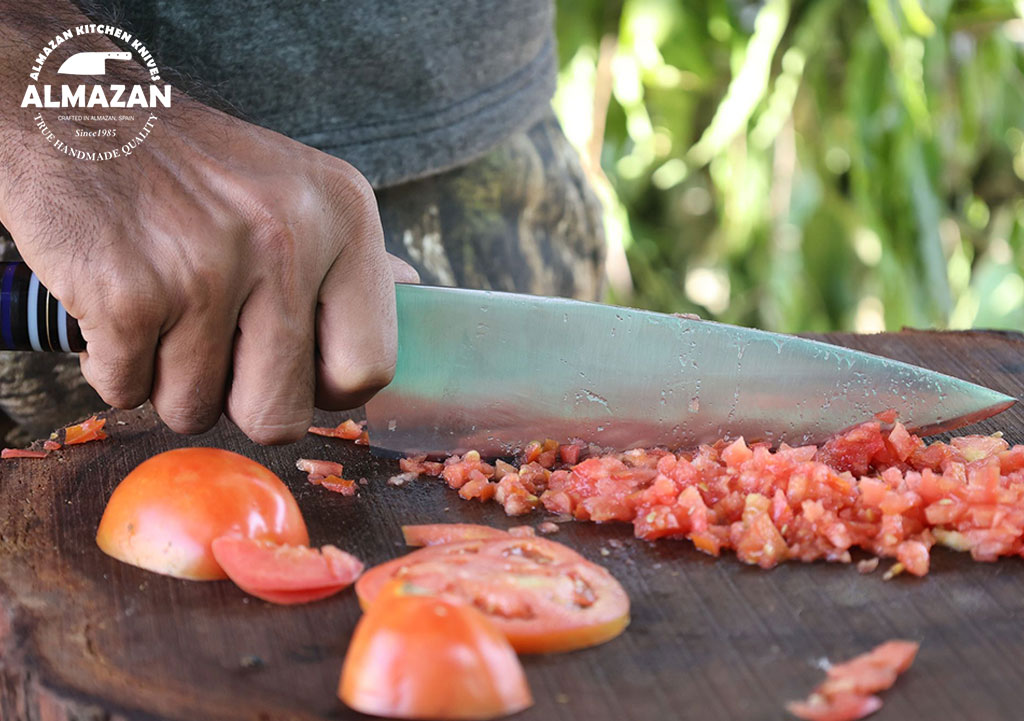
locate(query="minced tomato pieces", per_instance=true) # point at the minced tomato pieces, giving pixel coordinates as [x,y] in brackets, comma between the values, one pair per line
[876,487]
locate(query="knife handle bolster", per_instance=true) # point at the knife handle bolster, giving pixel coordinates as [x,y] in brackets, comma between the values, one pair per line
[31,318]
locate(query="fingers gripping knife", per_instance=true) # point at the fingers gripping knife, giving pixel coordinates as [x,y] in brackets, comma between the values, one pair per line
[30,317]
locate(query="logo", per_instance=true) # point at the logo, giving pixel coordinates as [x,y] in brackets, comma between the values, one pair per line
[96,121]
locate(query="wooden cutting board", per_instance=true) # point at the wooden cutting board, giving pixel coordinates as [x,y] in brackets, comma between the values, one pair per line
[84,637]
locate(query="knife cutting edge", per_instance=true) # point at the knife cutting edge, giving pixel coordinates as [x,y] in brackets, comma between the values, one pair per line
[490,371]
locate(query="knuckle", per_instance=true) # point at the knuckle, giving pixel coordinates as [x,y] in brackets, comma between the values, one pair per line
[267,430]
[188,418]
[206,286]
[367,377]
[116,381]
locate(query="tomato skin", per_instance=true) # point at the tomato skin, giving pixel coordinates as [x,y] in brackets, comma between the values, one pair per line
[348,430]
[433,534]
[88,430]
[424,657]
[165,514]
[285,574]
[22,453]
[543,596]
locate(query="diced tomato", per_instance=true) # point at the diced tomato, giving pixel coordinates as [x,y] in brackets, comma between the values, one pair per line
[89,430]
[22,453]
[881,490]
[421,466]
[887,416]
[478,488]
[285,574]
[339,485]
[570,454]
[348,430]
[51,445]
[846,694]
[318,470]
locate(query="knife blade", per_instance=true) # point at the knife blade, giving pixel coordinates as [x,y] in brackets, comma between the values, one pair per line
[491,371]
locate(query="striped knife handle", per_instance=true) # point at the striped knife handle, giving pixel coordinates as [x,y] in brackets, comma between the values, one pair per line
[31,318]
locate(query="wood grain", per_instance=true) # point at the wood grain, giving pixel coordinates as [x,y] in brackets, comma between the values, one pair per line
[83,637]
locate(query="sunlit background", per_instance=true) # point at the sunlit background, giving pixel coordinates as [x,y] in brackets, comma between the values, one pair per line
[805,165]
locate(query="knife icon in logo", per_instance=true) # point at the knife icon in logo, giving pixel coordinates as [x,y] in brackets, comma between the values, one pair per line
[90,63]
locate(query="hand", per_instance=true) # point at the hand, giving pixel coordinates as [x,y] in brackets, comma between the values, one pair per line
[221,266]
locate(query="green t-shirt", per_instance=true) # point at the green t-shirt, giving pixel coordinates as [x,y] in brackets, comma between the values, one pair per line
[399,88]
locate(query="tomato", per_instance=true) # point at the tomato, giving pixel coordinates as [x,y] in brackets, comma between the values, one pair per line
[543,596]
[348,430]
[879,489]
[846,695]
[339,485]
[165,514]
[89,430]
[433,534]
[285,574]
[51,445]
[846,707]
[22,453]
[319,470]
[423,657]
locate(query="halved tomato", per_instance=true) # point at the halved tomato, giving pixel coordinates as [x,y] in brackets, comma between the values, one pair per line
[433,534]
[543,596]
[424,657]
[285,574]
[165,514]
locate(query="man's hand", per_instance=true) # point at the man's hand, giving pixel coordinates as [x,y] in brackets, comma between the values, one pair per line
[221,266]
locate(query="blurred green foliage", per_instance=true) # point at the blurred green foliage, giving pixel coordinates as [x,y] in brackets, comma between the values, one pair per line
[806,165]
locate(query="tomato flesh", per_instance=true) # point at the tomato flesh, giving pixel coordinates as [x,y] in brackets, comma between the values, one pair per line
[166,513]
[89,430]
[22,453]
[348,430]
[543,596]
[433,534]
[423,657]
[847,694]
[878,488]
[285,574]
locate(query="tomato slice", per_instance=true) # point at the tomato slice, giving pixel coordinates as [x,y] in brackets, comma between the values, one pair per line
[285,574]
[543,596]
[22,453]
[433,534]
[423,657]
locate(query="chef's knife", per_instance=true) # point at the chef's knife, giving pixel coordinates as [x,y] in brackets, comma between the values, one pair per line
[490,371]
